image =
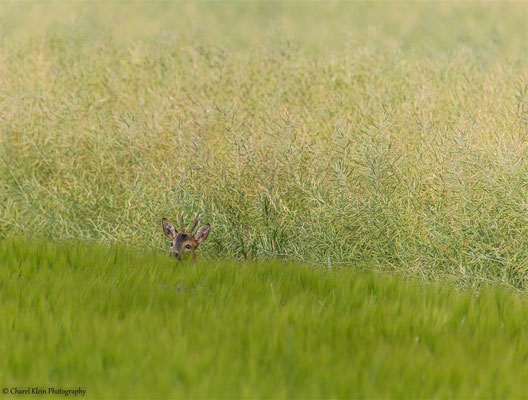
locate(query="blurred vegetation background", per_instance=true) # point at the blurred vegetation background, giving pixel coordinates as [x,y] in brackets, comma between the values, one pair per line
[390,134]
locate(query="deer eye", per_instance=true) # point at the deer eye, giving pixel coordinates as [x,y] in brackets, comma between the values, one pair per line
[170,244]
[187,246]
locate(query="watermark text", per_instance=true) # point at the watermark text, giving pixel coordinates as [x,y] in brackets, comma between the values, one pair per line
[51,390]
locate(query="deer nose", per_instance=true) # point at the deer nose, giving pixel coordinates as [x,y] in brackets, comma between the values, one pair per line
[177,254]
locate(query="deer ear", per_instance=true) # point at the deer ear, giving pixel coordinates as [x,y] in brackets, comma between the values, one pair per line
[168,229]
[202,233]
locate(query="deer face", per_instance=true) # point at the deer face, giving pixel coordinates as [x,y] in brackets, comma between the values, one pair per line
[183,244]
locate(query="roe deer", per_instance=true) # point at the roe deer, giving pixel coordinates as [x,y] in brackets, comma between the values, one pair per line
[183,243]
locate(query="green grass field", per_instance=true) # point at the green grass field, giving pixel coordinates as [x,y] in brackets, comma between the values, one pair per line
[123,324]
[363,166]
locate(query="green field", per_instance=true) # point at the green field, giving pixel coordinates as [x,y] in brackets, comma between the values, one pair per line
[363,166]
[124,324]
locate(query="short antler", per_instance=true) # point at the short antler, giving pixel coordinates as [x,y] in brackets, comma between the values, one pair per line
[195,222]
[182,227]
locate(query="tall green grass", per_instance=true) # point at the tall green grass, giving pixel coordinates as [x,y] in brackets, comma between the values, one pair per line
[123,324]
[385,133]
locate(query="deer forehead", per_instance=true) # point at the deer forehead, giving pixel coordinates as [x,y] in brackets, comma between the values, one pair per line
[183,239]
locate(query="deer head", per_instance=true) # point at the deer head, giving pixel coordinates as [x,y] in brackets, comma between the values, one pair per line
[183,243]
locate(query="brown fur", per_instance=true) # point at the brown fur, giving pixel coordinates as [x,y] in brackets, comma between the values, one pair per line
[184,244]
